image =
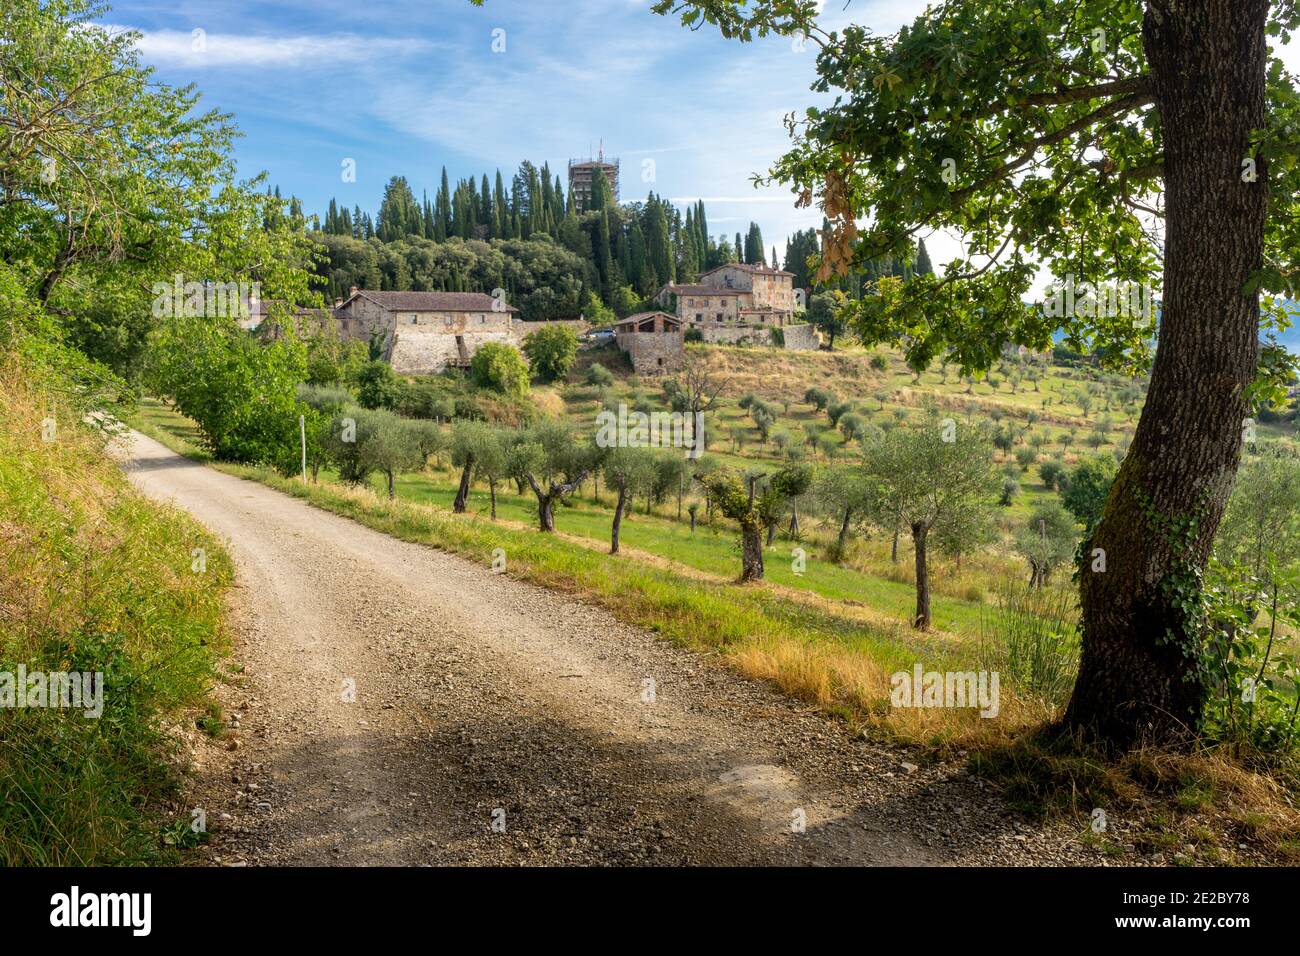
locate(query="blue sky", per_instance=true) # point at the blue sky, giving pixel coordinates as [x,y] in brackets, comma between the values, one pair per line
[405,87]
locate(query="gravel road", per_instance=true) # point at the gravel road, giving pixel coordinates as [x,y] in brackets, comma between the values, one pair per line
[497,723]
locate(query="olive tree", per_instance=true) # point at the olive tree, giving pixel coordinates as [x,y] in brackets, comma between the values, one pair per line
[753,500]
[470,440]
[932,473]
[1047,541]
[389,447]
[552,462]
[628,471]
[1112,141]
[1261,528]
[849,496]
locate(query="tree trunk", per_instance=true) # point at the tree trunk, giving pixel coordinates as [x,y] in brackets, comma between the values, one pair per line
[842,541]
[920,530]
[546,499]
[771,533]
[462,493]
[390,476]
[546,512]
[692,522]
[492,490]
[751,556]
[794,522]
[618,518]
[1139,672]
[893,548]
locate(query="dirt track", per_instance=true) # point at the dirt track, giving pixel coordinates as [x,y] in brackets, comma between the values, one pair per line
[476,693]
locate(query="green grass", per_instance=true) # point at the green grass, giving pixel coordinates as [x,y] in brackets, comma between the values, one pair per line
[811,650]
[714,550]
[95,578]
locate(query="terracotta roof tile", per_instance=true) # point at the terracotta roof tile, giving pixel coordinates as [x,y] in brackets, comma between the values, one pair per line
[434,301]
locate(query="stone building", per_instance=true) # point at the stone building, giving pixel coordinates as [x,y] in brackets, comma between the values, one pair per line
[738,304]
[653,341]
[425,332]
[734,294]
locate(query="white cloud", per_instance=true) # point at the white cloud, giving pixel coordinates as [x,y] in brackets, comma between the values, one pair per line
[201,48]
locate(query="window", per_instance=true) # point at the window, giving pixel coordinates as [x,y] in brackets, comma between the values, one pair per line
[699,316]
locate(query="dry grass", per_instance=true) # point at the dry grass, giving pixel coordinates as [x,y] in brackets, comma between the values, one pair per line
[1204,806]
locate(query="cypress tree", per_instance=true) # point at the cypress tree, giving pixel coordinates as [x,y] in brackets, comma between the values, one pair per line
[923,266]
[501,208]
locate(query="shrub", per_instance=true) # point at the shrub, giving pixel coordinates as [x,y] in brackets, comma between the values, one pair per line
[242,393]
[499,367]
[551,351]
[1010,488]
[1088,488]
[818,398]
[599,376]
[377,386]
[1052,472]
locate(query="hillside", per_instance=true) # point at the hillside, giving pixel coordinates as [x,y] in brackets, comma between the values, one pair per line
[98,582]
[826,625]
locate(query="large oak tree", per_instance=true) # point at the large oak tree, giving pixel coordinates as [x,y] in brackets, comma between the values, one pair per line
[1114,141]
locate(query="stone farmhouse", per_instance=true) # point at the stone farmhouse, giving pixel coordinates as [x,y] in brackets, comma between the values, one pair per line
[739,303]
[654,341]
[426,332]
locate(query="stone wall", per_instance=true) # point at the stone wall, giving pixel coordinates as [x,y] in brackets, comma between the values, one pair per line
[801,337]
[653,353]
[736,335]
[423,351]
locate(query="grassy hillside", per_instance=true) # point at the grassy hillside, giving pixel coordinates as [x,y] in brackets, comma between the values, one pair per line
[94,578]
[833,634]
